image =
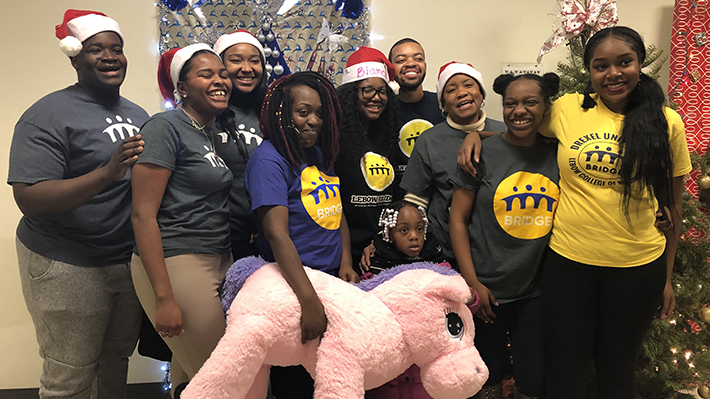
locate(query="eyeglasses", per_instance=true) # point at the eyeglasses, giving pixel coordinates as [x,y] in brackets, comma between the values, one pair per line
[368,92]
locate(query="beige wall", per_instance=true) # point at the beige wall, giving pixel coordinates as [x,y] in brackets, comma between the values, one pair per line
[485,33]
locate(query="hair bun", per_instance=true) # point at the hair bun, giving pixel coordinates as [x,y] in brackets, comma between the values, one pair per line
[552,83]
[501,83]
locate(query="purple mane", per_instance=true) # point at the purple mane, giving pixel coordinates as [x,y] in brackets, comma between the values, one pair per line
[236,276]
[389,274]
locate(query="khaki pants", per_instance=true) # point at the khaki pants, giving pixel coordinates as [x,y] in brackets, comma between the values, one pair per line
[196,280]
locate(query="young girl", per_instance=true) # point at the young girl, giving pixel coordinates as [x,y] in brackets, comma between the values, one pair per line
[403,239]
[501,222]
[296,196]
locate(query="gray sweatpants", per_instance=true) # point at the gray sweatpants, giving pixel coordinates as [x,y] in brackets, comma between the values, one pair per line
[87,321]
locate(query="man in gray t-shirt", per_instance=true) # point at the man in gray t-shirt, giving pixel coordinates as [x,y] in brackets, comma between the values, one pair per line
[69,170]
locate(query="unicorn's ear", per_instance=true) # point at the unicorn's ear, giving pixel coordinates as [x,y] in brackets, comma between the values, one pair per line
[453,288]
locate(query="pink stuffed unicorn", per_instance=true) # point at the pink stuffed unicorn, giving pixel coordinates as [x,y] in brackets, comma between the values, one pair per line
[413,314]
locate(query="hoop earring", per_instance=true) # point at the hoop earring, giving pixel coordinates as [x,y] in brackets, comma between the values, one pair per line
[483,103]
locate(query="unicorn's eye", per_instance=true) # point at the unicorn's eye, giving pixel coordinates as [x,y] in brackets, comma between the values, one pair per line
[454,325]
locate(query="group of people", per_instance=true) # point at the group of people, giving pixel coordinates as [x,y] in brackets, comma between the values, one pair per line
[568,250]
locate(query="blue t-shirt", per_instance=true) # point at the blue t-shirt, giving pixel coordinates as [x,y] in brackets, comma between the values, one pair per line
[312,197]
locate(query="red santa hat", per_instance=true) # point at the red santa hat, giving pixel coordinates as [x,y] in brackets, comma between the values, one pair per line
[368,62]
[241,36]
[80,25]
[170,65]
[453,68]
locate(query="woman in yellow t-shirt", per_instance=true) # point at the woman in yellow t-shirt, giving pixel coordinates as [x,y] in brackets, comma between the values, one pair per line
[622,156]
[609,268]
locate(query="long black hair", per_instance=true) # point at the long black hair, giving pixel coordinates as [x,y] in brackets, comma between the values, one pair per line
[276,122]
[644,144]
[383,133]
[549,84]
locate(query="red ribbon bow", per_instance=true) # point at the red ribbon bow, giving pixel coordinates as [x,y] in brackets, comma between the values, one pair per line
[599,15]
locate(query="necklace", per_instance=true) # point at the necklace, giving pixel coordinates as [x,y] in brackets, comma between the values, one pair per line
[197,125]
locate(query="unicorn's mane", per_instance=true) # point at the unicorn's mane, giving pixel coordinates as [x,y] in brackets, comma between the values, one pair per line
[236,276]
[389,274]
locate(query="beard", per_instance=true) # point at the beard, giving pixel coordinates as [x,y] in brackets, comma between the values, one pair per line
[406,86]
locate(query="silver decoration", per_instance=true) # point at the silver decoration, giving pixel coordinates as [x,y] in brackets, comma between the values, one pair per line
[293,32]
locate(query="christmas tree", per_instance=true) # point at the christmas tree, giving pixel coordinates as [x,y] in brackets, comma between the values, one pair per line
[675,358]
[675,361]
[574,77]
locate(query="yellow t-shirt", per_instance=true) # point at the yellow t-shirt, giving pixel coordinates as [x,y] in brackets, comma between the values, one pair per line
[590,225]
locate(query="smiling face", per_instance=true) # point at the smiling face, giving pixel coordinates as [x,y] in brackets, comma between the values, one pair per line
[408,234]
[101,65]
[243,62]
[205,88]
[523,109]
[615,70]
[306,114]
[462,99]
[409,65]
[372,99]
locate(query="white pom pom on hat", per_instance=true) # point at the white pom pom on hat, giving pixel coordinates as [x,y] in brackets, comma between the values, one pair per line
[79,25]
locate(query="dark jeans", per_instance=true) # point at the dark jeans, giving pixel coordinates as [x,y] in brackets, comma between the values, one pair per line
[522,321]
[243,248]
[292,382]
[601,314]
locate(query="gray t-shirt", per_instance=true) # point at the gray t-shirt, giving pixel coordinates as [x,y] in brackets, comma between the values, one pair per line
[430,169]
[516,197]
[64,135]
[193,215]
[235,154]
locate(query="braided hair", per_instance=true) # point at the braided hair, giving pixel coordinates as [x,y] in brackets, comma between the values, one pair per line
[276,123]
[390,213]
[645,147]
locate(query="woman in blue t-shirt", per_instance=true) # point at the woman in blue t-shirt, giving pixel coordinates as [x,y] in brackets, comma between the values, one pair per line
[296,196]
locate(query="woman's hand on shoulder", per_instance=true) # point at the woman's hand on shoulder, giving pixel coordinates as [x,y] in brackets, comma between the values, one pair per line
[313,320]
[470,150]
